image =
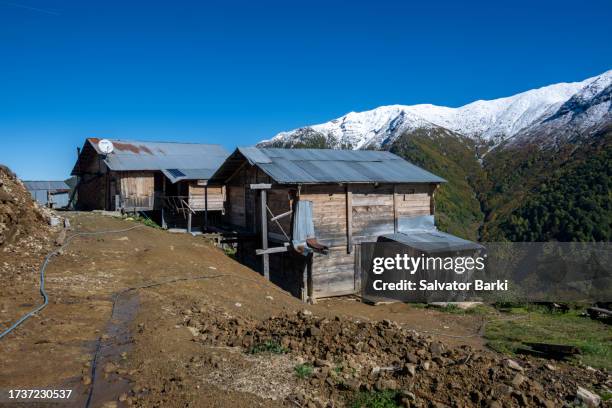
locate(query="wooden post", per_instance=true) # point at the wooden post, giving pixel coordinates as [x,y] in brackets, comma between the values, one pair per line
[163,203]
[432,202]
[305,282]
[264,235]
[264,226]
[395,205]
[206,206]
[349,219]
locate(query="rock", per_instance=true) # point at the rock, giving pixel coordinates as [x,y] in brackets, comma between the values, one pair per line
[109,367]
[86,380]
[61,238]
[352,384]
[412,358]
[494,404]
[269,297]
[194,332]
[587,397]
[312,331]
[410,369]
[322,363]
[237,304]
[436,349]
[550,367]
[518,380]
[123,397]
[426,365]
[513,365]
[521,398]
[385,384]
[306,312]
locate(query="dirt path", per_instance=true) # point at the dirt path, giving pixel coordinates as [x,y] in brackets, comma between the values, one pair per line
[144,344]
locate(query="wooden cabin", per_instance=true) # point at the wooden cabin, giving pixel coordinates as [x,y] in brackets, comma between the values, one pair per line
[165,181]
[354,196]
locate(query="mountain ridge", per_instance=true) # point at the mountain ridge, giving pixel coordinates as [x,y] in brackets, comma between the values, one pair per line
[491,122]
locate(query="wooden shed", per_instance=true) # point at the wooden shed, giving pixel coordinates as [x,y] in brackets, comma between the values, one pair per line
[166,181]
[354,196]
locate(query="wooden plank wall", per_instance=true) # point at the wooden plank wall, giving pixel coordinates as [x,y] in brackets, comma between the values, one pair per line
[329,212]
[137,188]
[236,206]
[373,210]
[216,197]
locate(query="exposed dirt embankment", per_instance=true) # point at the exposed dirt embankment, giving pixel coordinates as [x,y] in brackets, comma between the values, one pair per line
[25,238]
[19,214]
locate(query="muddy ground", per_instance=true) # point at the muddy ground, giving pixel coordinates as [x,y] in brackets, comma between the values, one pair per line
[152,319]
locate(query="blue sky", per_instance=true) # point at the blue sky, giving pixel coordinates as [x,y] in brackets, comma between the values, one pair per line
[238,72]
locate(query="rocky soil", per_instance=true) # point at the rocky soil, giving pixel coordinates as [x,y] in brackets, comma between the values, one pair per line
[348,356]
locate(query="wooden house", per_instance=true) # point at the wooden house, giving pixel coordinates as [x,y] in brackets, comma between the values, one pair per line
[353,196]
[164,180]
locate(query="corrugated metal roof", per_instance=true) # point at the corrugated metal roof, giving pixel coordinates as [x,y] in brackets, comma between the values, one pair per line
[421,233]
[305,166]
[46,185]
[175,175]
[131,155]
[433,241]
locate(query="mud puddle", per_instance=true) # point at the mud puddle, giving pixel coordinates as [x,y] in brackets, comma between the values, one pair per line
[109,379]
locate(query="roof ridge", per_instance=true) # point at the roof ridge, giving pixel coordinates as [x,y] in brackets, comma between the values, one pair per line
[153,141]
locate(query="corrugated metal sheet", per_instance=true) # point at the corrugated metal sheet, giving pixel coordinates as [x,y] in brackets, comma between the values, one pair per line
[421,233]
[433,241]
[131,155]
[175,175]
[336,166]
[46,185]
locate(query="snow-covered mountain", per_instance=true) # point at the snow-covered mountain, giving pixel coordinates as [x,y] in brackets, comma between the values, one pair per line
[544,114]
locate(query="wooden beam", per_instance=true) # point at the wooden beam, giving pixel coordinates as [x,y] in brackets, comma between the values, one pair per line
[273,250]
[283,215]
[261,186]
[264,233]
[349,219]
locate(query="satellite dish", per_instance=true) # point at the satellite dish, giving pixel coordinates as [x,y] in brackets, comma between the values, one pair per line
[105,146]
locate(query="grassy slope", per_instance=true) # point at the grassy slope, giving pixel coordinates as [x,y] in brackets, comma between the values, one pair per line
[593,338]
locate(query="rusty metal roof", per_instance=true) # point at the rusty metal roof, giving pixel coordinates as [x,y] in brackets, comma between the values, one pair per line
[311,166]
[132,155]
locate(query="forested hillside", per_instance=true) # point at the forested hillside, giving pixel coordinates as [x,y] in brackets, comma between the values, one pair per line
[452,157]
